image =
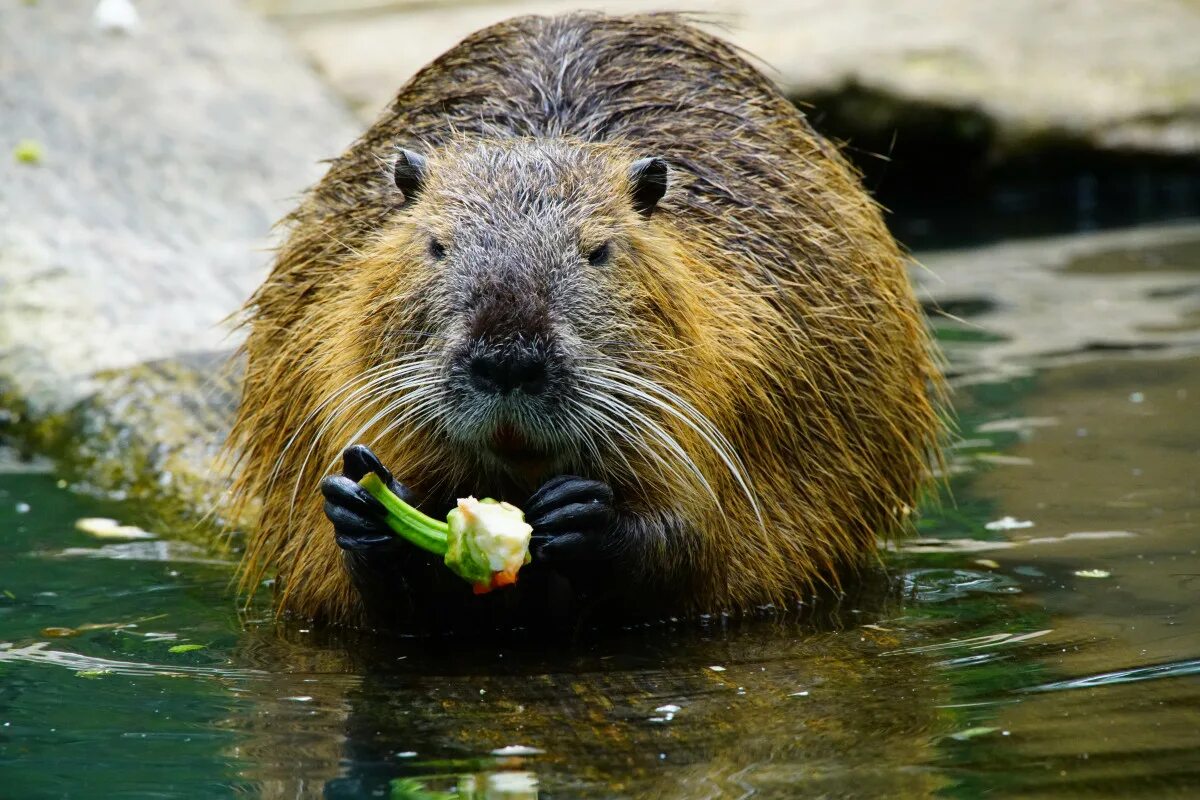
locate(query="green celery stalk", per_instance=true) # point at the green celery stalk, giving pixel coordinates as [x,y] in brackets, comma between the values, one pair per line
[408,523]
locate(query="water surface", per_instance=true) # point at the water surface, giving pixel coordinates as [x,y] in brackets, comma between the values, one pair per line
[1041,637]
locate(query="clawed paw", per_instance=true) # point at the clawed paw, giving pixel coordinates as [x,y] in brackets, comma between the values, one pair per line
[571,517]
[357,517]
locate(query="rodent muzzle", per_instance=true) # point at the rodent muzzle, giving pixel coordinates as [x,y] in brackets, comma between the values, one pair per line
[505,372]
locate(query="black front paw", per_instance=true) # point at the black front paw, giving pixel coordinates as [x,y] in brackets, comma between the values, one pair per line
[358,518]
[572,519]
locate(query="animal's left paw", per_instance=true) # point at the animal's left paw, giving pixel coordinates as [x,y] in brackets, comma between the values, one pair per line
[572,519]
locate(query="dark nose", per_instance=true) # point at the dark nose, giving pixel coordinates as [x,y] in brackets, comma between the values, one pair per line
[506,373]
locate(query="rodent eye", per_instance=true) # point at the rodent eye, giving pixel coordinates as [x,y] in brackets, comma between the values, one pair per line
[600,256]
[437,250]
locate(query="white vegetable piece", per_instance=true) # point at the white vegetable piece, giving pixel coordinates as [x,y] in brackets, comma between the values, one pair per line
[497,530]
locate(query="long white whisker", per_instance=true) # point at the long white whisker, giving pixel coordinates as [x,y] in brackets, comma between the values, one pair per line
[372,376]
[415,382]
[414,416]
[684,411]
[653,428]
[392,408]
[578,435]
[608,427]
[412,391]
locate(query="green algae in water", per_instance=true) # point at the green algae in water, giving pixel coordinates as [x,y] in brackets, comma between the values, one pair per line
[92,673]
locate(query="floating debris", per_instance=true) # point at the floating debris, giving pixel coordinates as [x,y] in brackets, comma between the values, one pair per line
[1001,460]
[157,550]
[971,733]
[23,508]
[60,632]
[1008,524]
[667,713]
[93,673]
[516,785]
[185,648]
[1093,573]
[105,528]
[517,750]
[1017,424]
[717,669]
[1087,535]
[928,544]
[987,562]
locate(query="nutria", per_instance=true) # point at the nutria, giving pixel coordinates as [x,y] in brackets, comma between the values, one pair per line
[601,268]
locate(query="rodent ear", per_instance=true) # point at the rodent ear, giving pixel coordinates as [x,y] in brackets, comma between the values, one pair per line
[409,174]
[648,177]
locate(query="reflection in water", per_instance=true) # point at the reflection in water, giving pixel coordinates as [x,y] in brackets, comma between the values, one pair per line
[667,710]
[1040,636]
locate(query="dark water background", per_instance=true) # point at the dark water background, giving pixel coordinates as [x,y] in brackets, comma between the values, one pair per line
[1041,638]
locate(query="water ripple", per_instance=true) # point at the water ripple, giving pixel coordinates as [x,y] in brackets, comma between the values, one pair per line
[37,653]
[1172,670]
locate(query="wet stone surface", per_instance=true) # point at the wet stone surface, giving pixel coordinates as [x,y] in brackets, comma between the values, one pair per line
[994,68]
[144,220]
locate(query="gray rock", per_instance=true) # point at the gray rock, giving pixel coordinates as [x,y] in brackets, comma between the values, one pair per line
[167,154]
[153,434]
[1120,74]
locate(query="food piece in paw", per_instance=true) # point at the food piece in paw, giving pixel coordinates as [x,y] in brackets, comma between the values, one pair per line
[484,542]
[488,542]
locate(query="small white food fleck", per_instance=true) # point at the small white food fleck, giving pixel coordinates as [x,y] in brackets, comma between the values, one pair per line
[105,528]
[23,508]
[1092,573]
[517,750]
[116,16]
[717,669]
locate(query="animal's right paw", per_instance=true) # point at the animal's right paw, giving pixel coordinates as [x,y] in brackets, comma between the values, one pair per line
[358,518]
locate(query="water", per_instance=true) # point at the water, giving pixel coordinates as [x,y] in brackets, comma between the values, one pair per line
[1041,637]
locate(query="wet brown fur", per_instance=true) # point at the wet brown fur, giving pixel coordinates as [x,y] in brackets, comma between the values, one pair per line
[769,293]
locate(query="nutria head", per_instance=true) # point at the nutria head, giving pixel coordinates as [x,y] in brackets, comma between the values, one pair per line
[516,265]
